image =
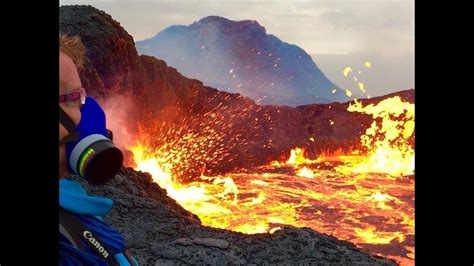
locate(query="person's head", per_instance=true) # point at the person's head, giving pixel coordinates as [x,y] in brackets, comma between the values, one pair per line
[85,144]
[71,58]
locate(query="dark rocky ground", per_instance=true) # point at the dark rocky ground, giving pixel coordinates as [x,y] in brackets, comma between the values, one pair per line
[158,231]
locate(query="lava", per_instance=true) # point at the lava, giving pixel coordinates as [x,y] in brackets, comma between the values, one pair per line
[363,197]
[390,150]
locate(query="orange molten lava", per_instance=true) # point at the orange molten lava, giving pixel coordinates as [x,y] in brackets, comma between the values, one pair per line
[366,199]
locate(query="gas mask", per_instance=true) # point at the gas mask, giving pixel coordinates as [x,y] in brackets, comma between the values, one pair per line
[90,152]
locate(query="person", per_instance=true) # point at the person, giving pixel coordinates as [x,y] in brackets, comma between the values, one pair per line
[85,149]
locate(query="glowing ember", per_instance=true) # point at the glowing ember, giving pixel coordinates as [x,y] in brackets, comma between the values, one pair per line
[346,71]
[363,197]
[348,93]
[361,87]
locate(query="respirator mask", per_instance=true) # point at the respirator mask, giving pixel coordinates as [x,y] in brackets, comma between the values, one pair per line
[90,152]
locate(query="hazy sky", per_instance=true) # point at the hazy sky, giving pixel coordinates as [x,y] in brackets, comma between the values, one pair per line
[339,32]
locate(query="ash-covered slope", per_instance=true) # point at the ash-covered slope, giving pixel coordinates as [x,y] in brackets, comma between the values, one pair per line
[160,232]
[239,56]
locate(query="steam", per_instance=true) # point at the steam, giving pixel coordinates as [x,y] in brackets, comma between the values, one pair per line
[120,119]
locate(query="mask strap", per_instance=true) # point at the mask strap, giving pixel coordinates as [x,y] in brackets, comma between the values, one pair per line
[70,126]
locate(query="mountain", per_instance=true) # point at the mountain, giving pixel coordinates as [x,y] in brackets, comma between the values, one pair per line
[239,56]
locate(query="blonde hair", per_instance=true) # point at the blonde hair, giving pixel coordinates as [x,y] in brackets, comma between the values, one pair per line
[73,47]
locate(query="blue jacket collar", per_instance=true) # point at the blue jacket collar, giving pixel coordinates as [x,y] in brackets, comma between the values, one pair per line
[74,198]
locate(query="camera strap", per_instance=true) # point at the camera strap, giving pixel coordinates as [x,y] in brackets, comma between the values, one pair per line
[70,126]
[74,230]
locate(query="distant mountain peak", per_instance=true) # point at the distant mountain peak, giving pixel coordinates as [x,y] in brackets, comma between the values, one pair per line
[227,22]
[239,56]
[214,19]
[227,26]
